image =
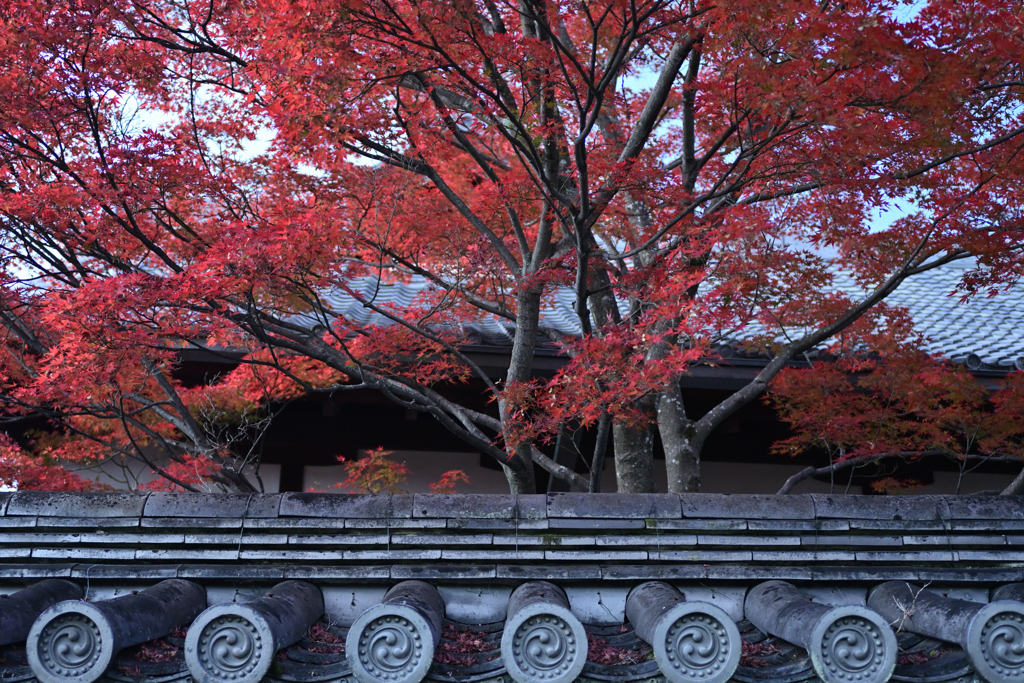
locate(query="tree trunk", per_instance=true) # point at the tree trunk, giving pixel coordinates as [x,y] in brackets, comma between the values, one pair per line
[634,448]
[520,481]
[634,458]
[1016,487]
[682,452]
[520,367]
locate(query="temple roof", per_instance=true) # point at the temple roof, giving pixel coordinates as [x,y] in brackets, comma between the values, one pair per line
[984,332]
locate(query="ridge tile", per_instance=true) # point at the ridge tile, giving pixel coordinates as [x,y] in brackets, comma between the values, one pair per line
[61,504]
[244,505]
[745,506]
[349,506]
[623,506]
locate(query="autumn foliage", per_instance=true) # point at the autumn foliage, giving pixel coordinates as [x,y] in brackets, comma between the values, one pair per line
[376,473]
[28,472]
[912,406]
[864,412]
[214,174]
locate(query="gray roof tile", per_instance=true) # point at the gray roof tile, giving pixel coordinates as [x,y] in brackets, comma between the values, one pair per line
[992,328]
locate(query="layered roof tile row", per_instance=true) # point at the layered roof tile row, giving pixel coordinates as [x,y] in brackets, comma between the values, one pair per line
[612,537]
[985,332]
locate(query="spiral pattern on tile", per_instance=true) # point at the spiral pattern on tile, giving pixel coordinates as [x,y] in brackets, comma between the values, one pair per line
[1002,644]
[853,649]
[230,648]
[544,647]
[697,645]
[70,645]
[390,648]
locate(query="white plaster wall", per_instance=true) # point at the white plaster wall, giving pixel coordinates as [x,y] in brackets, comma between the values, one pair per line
[734,477]
[427,467]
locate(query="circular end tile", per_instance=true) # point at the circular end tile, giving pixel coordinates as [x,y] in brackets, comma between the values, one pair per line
[853,644]
[71,642]
[229,643]
[544,642]
[995,642]
[390,643]
[696,641]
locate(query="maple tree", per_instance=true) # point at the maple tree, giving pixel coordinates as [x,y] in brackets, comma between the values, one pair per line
[377,473]
[665,159]
[449,481]
[22,470]
[897,405]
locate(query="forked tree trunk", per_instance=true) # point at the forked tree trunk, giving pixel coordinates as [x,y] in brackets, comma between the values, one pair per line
[682,452]
[520,481]
[634,447]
